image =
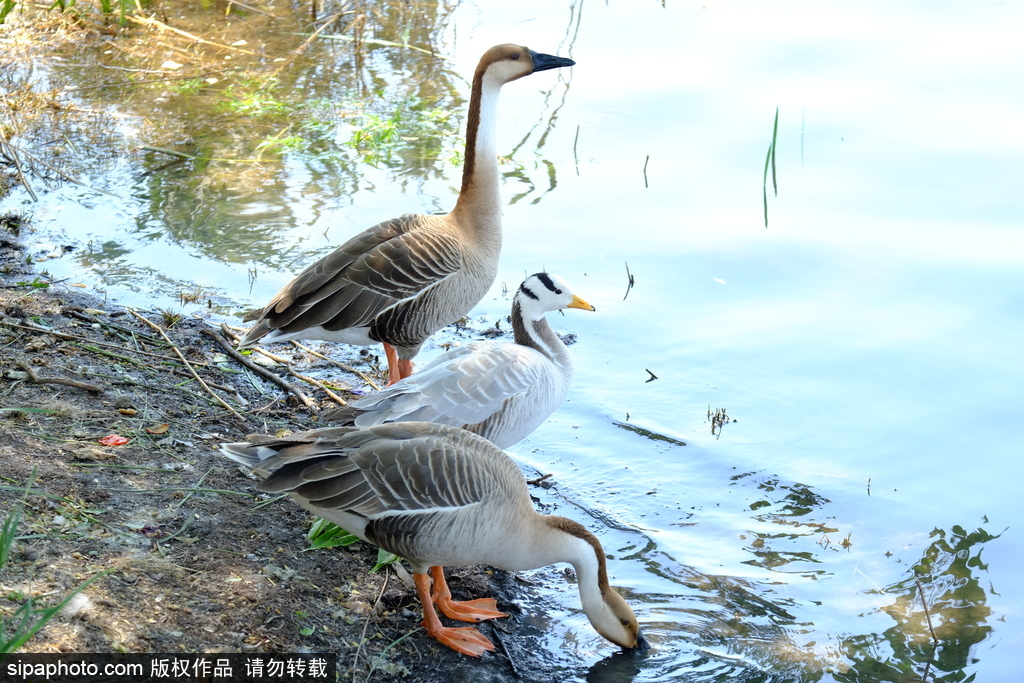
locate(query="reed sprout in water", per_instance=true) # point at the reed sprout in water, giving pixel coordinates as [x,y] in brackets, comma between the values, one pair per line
[769,161]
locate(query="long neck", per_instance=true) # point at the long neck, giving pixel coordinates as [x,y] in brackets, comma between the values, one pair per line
[582,550]
[536,333]
[479,203]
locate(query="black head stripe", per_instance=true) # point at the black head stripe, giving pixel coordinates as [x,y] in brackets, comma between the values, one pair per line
[528,292]
[546,281]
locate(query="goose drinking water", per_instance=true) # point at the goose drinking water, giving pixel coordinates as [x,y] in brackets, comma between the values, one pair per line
[437,495]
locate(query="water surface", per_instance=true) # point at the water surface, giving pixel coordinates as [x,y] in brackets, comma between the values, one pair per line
[866,342]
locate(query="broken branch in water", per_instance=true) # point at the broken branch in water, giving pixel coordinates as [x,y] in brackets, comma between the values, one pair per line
[13,156]
[928,617]
[62,174]
[538,480]
[147,21]
[632,281]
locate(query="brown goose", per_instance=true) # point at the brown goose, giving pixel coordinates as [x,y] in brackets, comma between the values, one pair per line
[500,390]
[402,280]
[437,495]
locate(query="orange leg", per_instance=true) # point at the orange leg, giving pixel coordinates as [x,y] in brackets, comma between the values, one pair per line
[397,369]
[464,639]
[469,610]
[393,364]
[404,368]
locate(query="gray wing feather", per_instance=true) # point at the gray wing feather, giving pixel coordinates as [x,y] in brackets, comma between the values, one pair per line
[390,468]
[464,386]
[375,270]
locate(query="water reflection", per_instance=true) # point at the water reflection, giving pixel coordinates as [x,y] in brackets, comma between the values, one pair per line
[785,505]
[621,667]
[717,627]
[940,613]
[270,152]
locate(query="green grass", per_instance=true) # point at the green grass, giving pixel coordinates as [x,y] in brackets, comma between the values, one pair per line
[412,125]
[28,619]
[6,7]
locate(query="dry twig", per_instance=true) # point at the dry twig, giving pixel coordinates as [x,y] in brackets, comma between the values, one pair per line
[146,21]
[262,372]
[188,365]
[299,376]
[17,166]
[230,332]
[346,368]
[366,624]
[56,380]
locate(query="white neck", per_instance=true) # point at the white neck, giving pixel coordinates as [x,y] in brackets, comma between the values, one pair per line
[533,330]
[479,203]
[561,546]
[486,151]
[585,564]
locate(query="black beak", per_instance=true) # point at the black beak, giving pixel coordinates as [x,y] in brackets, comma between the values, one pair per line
[543,62]
[641,644]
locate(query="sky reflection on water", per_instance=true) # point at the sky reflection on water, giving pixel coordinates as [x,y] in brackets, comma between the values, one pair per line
[867,342]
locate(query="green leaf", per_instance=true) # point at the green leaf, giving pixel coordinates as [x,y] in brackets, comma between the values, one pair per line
[324,534]
[384,558]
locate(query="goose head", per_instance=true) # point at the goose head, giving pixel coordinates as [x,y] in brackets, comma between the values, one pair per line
[505,63]
[614,619]
[544,292]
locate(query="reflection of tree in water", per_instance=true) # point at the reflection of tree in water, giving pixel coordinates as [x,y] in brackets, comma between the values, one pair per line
[943,579]
[739,630]
[274,131]
[944,589]
[348,102]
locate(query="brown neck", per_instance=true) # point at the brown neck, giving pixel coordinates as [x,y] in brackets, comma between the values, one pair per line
[576,529]
[472,129]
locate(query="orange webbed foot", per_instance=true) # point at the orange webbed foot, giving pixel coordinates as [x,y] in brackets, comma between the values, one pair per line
[472,611]
[481,609]
[464,639]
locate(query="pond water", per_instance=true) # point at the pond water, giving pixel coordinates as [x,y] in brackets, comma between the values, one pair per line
[865,345]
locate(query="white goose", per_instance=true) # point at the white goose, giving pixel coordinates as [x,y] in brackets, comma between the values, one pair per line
[499,390]
[437,495]
[402,280]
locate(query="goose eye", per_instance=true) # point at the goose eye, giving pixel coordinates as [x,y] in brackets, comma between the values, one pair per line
[625,622]
[558,291]
[514,56]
